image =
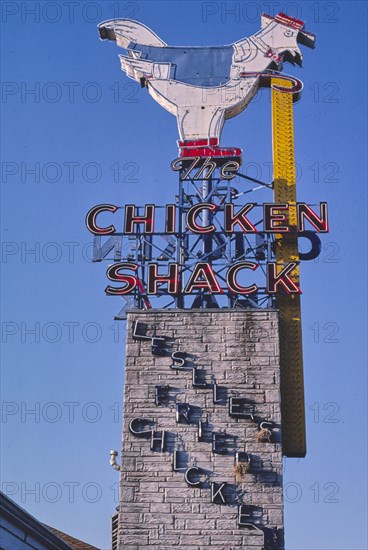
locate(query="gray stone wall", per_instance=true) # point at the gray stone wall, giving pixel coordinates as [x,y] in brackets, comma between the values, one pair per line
[238,350]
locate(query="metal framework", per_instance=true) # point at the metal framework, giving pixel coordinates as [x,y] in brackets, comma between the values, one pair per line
[219,249]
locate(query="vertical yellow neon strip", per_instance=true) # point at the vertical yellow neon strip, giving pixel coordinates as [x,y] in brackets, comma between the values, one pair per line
[286,250]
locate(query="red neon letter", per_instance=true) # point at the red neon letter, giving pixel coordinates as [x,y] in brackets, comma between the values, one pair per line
[193,213]
[91,219]
[171,279]
[272,219]
[170,218]
[232,282]
[114,275]
[283,279]
[240,218]
[203,277]
[320,223]
[147,219]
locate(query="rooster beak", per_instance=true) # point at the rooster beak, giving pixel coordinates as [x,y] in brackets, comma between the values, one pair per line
[307,39]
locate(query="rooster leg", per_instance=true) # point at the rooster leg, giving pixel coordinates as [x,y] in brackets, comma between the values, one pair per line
[202,119]
[200,122]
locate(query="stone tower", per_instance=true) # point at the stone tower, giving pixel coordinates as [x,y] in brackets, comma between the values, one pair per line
[201,462]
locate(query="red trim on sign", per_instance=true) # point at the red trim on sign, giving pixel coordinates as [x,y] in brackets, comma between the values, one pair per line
[289,21]
[285,19]
[265,81]
[210,152]
[198,142]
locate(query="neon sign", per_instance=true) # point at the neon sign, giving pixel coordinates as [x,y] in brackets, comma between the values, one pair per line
[203,275]
[208,249]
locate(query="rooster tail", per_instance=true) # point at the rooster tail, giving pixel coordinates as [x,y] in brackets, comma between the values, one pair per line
[127,31]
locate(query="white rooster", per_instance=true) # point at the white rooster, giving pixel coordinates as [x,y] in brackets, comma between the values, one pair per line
[204,86]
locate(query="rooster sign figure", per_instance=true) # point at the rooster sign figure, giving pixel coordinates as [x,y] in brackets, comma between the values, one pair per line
[204,86]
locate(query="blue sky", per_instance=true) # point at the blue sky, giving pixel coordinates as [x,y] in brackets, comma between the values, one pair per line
[88,135]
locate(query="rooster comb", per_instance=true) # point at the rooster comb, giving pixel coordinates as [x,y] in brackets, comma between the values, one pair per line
[306,38]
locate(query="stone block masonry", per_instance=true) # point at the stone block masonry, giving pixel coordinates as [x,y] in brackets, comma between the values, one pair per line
[194,472]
